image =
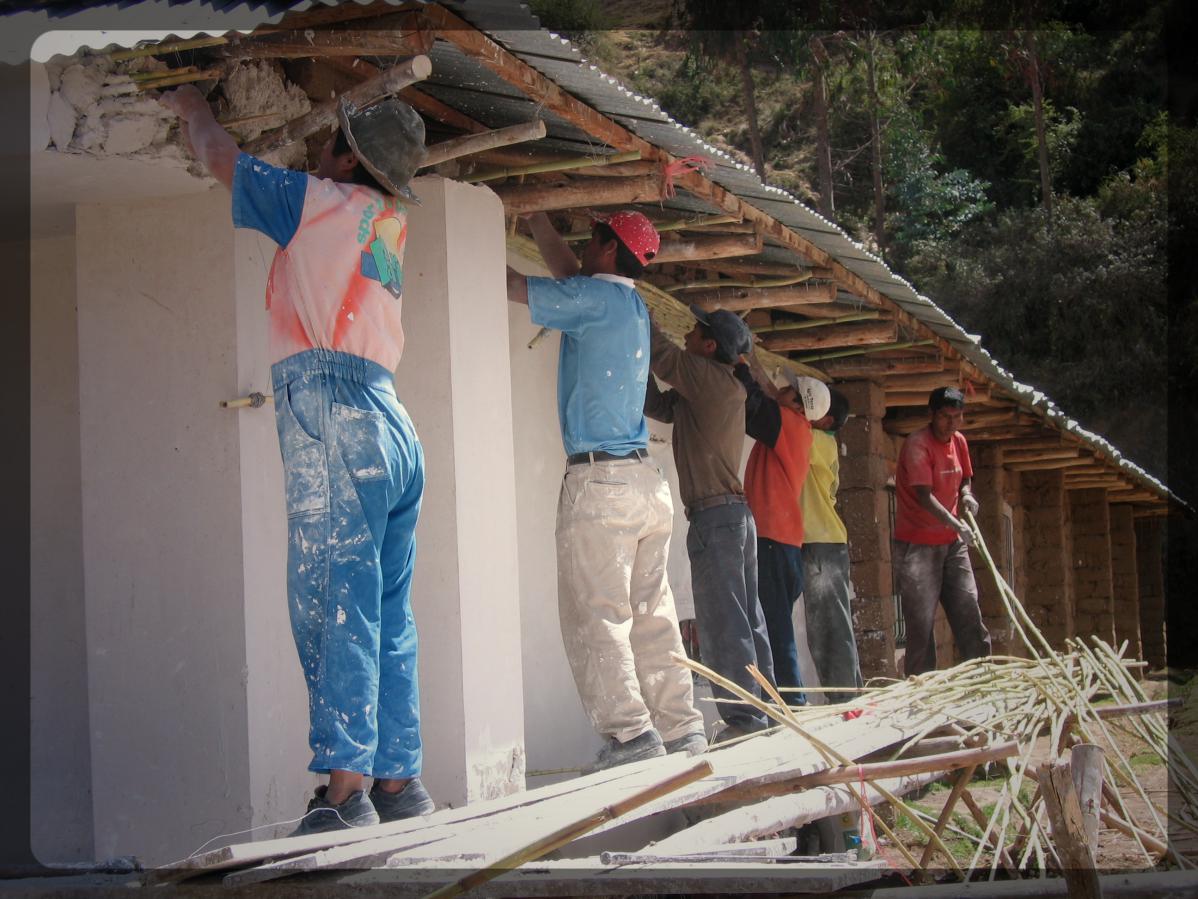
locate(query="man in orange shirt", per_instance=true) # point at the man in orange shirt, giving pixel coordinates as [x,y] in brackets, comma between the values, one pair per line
[774,477]
[931,544]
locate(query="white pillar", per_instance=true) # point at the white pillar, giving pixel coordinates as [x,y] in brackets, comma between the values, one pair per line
[161,512]
[455,381]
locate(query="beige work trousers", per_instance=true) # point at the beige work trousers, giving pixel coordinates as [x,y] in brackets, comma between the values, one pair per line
[616,610]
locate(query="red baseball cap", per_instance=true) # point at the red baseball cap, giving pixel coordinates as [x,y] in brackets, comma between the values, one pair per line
[635,231]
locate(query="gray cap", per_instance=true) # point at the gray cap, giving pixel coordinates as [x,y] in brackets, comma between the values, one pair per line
[732,335]
[388,139]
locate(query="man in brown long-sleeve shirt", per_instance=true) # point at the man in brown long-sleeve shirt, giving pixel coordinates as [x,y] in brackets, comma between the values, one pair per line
[707,408]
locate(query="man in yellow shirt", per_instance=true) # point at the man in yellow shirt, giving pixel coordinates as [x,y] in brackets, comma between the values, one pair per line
[827,591]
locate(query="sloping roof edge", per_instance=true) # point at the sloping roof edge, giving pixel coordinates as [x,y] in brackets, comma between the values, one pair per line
[513,26]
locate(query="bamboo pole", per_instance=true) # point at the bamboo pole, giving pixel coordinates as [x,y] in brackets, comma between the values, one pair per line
[185,78]
[959,786]
[573,831]
[174,47]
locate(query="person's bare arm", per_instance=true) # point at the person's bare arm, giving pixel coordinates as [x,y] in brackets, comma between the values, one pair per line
[212,145]
[969,502]
[928,501]
[517,287]
[559,258]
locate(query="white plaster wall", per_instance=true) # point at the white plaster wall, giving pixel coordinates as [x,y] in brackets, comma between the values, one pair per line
[162,513]
[276,698]
[60,781]
[455,383]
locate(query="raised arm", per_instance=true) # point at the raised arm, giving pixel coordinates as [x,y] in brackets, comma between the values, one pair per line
[559,258]
[517,286]
[763,419]
[211,144]
[659,406]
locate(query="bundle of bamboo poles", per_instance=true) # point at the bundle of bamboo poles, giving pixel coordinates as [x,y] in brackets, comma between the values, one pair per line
[1008,698]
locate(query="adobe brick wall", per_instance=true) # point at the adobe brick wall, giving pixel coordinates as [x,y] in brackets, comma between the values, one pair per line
[1150,576]
[1125,582]
[990,488]
[1047,551]
[864,504]
[1093,584]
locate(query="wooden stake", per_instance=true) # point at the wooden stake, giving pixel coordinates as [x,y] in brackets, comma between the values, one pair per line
[487,140]
[1069,831]
[390,81]
[959,786]
[980,819]
[1085,764]
[573,831]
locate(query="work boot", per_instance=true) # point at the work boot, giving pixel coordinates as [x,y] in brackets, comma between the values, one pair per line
[646,746]
[322,815]
[733,731]
[691,744]
[411,802]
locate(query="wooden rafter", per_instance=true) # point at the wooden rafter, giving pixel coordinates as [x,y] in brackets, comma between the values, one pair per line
[741,298]
[398,34]
[542,196]
[859,334]
[881,366]
[682,249]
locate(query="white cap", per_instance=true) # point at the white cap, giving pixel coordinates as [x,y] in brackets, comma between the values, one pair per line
[813,393]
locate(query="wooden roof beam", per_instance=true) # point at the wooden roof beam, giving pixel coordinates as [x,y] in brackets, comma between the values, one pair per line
[540,196]
[1019,454]
[737,299]
[880,366]
[418,100]
[399,76]
[919,398]
[1049,464]
[397,34]
[850,335]
[764,269]
[682,249]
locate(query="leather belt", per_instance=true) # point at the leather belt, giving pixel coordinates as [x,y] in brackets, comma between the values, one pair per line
[727,499]
[599,456]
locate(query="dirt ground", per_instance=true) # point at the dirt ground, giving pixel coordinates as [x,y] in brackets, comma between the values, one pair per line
[1116,852]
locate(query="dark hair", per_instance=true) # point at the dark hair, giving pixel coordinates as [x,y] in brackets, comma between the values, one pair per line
[838,409]
[946,396]
[361,175]
[626,264]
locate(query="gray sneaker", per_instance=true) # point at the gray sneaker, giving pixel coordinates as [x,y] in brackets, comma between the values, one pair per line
[410,802]
[322,815]
[646,746]
[691,744]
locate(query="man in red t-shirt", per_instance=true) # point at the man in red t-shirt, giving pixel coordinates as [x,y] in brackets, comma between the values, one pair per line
[931,544]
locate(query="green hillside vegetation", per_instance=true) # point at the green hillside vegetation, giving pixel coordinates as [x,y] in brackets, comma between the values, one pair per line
[1016,175]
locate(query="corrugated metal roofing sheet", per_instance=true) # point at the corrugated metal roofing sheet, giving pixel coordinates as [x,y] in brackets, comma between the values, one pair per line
[511,25]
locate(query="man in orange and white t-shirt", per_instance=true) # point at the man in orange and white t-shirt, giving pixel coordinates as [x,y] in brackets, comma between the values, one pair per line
[352,464]
[931,543]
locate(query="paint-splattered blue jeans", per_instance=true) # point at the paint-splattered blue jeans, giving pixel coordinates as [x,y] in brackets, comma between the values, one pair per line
[354,476]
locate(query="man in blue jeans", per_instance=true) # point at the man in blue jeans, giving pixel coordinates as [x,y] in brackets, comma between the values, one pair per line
[707,408]
[353,467]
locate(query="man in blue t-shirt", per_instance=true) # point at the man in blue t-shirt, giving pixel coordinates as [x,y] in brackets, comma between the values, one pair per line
[615,514]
